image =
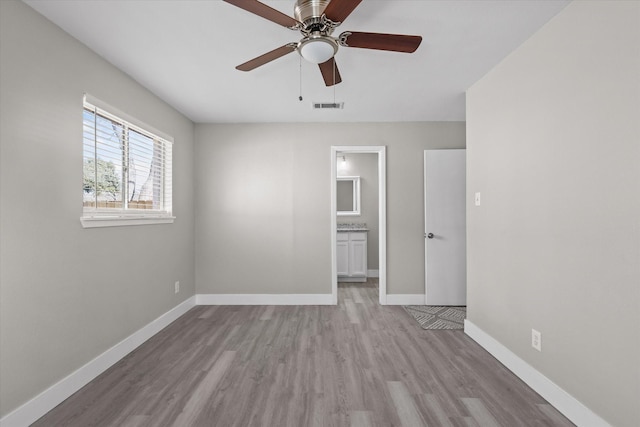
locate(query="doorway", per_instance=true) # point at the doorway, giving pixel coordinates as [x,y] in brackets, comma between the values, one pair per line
[380,151]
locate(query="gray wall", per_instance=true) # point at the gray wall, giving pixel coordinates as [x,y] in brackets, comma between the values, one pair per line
[263,213]
[67,293]
[364,165]
[553,145]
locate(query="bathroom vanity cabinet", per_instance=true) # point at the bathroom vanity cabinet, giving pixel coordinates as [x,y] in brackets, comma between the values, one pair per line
[351,254]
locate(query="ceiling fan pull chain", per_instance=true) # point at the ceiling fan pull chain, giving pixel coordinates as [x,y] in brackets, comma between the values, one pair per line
[334,80]
[300,68]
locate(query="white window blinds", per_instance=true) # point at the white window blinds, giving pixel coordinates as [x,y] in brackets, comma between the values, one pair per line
[126,169]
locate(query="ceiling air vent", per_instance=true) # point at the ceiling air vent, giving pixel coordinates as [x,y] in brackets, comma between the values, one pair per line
[328,105]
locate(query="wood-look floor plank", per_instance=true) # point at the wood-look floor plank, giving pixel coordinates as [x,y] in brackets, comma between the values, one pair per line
[470,422]
[480,413]
[357,364]
[351,311]
[268,312]
[361,418]
[135,421]
[354,293]
[405,406]
[205,390]
[433,411]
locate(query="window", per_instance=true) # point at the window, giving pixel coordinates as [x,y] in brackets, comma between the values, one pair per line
[126,171]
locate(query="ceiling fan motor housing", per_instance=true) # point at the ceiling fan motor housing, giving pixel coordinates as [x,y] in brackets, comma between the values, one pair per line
[311,14]
[306,9]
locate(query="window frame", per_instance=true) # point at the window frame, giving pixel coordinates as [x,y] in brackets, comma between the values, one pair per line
[114,217]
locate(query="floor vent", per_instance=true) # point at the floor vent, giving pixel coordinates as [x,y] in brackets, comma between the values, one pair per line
[328,105]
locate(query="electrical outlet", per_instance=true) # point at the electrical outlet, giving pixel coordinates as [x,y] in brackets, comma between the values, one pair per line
[477,199]
[177,287]
[536,340]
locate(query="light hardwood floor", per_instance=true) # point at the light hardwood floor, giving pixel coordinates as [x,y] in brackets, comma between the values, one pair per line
[357,364]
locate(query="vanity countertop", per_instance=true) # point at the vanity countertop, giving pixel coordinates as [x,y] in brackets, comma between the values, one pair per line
[343,228]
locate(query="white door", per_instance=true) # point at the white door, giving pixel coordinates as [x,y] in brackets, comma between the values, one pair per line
[445,227]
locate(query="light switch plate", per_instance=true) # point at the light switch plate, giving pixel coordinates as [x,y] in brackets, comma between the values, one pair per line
[477,199]
[536,340]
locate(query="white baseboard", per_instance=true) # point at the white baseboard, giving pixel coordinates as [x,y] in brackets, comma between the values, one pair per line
[405,299]
[373,273]
[568,405]
[347,279]
[264,299]
[57,393]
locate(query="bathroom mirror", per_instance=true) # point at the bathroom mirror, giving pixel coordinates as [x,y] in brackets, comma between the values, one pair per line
[348,195]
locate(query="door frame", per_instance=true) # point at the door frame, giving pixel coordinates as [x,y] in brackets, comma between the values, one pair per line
[380,150]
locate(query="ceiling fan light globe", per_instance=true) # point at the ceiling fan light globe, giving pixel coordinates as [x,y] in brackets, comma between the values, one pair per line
[317,51]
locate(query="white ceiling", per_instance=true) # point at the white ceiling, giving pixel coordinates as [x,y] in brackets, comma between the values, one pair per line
[186,52]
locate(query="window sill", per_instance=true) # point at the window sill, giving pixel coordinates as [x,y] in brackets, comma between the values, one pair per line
[121,221]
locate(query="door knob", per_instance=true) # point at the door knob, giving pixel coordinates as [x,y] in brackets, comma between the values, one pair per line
[430,236]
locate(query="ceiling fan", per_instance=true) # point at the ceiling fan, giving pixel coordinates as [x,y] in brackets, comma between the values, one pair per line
[316,20]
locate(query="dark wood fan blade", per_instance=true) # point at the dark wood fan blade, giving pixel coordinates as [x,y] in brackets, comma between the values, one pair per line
[327,69]
[267,57]
[379,41]
[338,10]
[265,11]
